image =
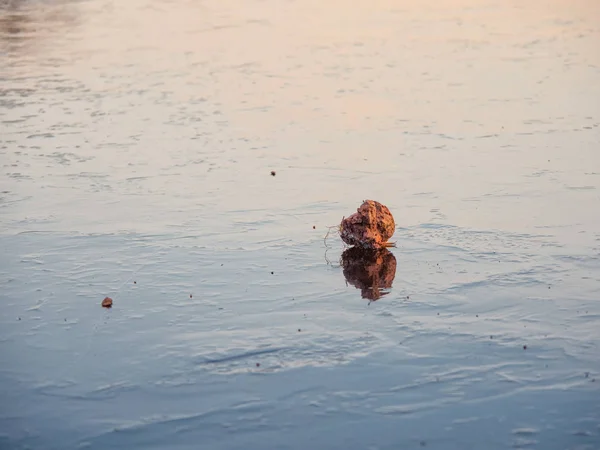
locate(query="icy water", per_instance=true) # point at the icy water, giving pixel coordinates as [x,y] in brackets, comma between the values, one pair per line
[137,140]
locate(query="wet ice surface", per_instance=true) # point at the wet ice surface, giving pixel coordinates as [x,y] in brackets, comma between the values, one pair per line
[136,147]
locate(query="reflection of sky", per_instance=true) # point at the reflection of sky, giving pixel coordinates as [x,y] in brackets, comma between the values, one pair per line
[437,100]
[29,26]
[365,66]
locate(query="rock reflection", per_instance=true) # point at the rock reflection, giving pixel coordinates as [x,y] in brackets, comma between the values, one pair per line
[371,271]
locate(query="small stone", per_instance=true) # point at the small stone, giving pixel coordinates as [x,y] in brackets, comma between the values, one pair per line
[314,228]
[273,173]
[190,295]
[135,282]
[107,302]
[257,364]
[370,227]
[524,347]
[272,273]
[299,330]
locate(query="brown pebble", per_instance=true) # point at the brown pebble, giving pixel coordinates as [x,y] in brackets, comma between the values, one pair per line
[524,347]
[107,302]
[273,173]
[257,364]
[314,228]
[135,282]
[190,295]
[371,226]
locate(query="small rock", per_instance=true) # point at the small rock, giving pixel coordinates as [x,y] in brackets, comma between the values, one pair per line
[257,364]
[190,295]
[524,347]
[370,227]
[314,228]
[299,330]
[273,173]
[107,302]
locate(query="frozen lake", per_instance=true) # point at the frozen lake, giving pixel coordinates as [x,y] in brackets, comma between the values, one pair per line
[136,144]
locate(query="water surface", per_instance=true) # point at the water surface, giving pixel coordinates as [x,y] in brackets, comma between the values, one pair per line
[136,144]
